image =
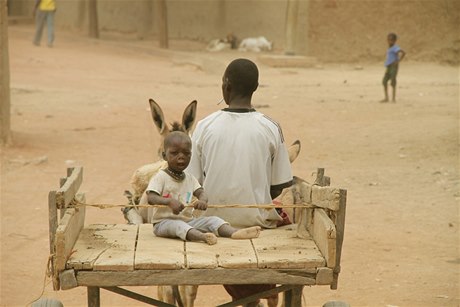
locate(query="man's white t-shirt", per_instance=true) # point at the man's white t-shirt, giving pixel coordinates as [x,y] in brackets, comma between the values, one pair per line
[236,156]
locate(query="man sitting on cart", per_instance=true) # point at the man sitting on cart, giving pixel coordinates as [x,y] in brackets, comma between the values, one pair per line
[239,156]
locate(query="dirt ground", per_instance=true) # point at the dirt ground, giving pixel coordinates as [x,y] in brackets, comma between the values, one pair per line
[85,102]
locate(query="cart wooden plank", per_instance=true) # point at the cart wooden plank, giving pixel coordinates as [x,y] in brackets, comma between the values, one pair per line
[281,248]
[105,247]
[120,254]
[153,252]
[66,235]
[236,254]
[217,276]
[88,247]
[200,256]
[70,188]
[324,234]
[325,197]
[227,253]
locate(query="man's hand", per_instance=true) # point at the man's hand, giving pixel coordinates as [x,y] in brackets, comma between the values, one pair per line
[176,206]
[200,205]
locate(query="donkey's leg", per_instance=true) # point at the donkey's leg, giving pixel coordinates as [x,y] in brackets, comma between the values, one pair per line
[272,302]
[165,294]
[188,295]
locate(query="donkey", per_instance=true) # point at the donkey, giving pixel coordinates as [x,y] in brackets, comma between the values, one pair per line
[185,295]
[141,177]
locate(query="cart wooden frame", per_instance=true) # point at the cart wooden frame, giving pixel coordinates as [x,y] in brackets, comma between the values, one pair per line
[109,256]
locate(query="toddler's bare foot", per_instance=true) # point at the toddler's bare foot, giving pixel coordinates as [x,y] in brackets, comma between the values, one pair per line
[210,238]
[247,233]
[383,100]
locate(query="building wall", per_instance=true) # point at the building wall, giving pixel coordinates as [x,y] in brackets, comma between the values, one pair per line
[347,30]
[332,30]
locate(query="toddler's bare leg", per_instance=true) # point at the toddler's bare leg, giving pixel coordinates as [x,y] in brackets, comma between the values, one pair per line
[196,235]
[247,233]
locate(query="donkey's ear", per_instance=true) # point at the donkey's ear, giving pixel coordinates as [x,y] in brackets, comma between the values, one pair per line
[294,151]
[189,116]
[157,116]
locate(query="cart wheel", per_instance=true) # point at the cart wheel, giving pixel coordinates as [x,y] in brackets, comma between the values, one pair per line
[336,304]
[47,302]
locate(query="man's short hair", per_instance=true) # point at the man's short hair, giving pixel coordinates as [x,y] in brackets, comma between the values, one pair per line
[243,76]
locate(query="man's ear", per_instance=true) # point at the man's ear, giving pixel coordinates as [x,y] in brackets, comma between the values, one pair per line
[227,86]
[163,154]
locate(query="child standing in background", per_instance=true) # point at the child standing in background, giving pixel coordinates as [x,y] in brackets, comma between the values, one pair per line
[394,55]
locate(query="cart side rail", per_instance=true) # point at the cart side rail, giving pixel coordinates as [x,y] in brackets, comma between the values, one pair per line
[325,222]
[65,223]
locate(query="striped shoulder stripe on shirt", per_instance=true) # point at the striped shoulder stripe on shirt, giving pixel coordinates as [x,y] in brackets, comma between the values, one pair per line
[277,125]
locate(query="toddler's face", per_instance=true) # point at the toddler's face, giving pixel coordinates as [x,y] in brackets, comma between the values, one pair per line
[178,154]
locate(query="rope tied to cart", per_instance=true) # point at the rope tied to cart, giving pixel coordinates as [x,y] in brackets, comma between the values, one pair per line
[76,203]
[48,274]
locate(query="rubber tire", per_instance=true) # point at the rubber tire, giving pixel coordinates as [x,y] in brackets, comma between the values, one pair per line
[47,302]
[336,304]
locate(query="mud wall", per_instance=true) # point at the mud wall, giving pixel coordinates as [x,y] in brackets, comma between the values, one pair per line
[345,30]
[332,30]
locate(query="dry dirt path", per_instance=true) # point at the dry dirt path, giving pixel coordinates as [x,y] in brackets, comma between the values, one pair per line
[84,102]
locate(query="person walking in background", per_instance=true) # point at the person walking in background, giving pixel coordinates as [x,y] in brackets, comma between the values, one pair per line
[394,55]
[44,12]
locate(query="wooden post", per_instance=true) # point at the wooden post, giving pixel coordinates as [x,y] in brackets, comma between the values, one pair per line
[61,184]
[53,224]
[162,23]
[291,26]
[81,13]
[340,226]
[145,17]
[94,297]
[93,20]
[5,136]
[53,218]
[303,27]
[322,180]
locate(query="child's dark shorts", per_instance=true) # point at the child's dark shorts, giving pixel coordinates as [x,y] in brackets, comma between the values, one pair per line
[390,74]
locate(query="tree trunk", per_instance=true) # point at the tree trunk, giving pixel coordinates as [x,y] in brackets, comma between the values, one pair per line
[291,26]
[145,18]
[162,23]
[5,135]
[92,16]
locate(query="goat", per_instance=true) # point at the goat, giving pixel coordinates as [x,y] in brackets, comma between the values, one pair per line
[255,44]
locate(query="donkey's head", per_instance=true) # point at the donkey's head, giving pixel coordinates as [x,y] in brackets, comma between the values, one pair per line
[188,119]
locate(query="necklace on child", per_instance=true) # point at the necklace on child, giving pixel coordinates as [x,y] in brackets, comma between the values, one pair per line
[179,176]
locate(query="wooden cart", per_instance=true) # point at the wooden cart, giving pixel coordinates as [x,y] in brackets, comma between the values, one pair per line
[108,256]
